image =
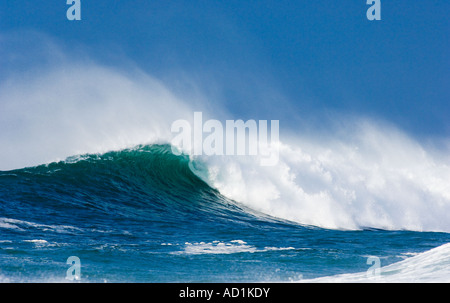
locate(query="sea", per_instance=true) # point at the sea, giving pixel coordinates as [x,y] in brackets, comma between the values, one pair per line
[145,214]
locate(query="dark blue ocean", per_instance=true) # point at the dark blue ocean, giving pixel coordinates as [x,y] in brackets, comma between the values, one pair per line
[142,215]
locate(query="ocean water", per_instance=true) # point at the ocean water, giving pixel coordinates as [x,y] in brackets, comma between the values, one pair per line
[144,214]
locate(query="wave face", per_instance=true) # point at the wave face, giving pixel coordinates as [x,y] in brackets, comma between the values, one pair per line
[144,214]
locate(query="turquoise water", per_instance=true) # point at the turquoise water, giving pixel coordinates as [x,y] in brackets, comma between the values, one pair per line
[142,215]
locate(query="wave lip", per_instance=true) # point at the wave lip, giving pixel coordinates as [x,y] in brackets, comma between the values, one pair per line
[432,266]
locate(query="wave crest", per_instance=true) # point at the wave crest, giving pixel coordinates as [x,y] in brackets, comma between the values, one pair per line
[376,177]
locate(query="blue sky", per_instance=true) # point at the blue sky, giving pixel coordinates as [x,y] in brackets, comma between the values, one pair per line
[286,58]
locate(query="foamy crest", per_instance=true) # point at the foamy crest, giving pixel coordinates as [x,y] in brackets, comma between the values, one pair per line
[376,176]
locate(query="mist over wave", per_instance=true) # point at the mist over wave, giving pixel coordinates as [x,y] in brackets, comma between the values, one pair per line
[90,109]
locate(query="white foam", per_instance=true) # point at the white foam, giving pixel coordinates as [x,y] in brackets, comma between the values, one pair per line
[39,241]
[373,176]
[4,279]
[43,278]
[232,247]
[432,266]
[9,223]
